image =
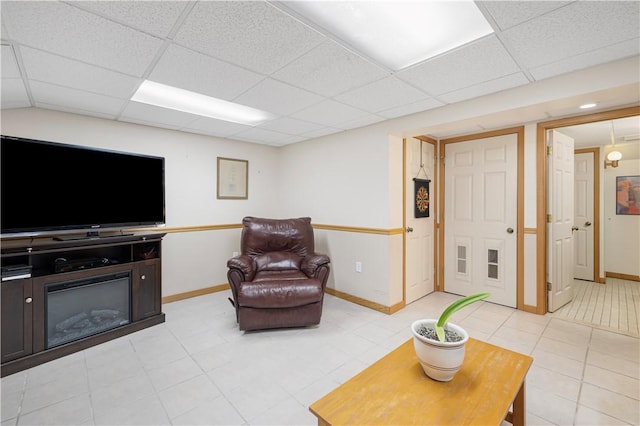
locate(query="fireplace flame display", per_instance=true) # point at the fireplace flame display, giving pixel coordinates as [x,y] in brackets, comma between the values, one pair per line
[85,324]
[82,308]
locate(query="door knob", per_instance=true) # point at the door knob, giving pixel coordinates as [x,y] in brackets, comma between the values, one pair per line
[574,228]
[409,229]
[587,223]
[509,230]
[28,300]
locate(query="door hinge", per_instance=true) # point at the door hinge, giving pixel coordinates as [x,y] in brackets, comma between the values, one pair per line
[549,218]
[548,286]
[549,150]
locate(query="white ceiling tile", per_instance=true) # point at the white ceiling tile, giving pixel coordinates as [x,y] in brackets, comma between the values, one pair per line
[152,114]
[329,69]
[42,66]
[14,94]
[329,113]
[289,99]
[410,108]
[183,68]
[160,124]
[290,140]
[501,83]
[260,135]
[211,126]
[382,95]
[87,57]
[154,17]
[509,13]
[578,28]
[589,59]
[45,93]
[9,65]
[84,112]
[462,67]
[322,132]
[3,31]
[71,32]
[367,120]
[290,126]
[252,34]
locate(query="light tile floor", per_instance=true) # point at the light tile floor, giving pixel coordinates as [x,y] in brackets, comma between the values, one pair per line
[197,368]
[614,305]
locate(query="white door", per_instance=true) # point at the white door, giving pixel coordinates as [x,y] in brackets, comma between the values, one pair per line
[419,233]
[480,204]
[559,227]
[583,212]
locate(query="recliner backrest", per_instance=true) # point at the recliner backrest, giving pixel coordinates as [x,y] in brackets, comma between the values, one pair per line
[278,261]
[261,236]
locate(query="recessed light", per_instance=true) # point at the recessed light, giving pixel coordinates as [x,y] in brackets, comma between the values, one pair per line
[170,97]
[587,106]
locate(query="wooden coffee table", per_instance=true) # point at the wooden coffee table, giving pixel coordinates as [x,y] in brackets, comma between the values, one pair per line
[396,391]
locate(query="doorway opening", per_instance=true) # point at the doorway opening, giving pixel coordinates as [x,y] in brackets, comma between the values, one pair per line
[544,281]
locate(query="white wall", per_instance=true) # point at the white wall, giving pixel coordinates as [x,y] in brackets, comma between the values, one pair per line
[343,179]
[191,260]
[351,178]
[622,232]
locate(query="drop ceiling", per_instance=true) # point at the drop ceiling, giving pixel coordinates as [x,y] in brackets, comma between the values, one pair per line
[625,131]
[89,57]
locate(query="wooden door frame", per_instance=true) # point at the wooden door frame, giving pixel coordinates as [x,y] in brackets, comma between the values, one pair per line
[433,205]
[543,188]
[519,132]
[596,210]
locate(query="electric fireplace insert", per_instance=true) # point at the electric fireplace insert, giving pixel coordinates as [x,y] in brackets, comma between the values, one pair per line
[80,308]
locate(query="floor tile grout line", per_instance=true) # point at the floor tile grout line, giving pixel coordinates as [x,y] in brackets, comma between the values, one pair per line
[502,323]
[584,369]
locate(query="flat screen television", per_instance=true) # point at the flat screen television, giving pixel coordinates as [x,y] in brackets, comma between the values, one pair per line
[50,188]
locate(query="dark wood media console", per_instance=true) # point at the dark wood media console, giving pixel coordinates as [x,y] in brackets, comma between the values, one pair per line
[23,301]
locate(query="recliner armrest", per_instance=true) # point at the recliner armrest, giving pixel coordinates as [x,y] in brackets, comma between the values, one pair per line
[245,264]
[310,264]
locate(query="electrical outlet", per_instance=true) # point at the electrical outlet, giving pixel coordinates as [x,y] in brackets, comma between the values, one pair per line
[358,266]
[235,253]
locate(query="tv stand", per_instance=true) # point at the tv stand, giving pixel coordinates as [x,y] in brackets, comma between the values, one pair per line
[24,340]
[89,236]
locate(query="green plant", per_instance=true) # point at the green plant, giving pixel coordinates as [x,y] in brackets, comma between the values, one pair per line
[456,306]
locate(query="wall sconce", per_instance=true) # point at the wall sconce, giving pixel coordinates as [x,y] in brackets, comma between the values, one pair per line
[612,159]
[614,156]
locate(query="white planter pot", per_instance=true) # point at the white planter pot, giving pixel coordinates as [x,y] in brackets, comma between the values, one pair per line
[439,360]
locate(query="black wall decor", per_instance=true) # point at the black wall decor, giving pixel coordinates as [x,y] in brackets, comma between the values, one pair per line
[421,197]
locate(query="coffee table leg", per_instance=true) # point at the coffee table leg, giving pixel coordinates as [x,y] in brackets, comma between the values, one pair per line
[519,408]
[321,422]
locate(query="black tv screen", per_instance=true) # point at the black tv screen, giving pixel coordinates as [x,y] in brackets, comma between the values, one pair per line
[50,188]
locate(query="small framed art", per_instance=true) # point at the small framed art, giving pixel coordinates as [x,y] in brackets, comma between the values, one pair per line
[628,195]
[233,179]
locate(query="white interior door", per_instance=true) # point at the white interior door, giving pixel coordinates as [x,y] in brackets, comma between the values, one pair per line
[559,227]
[480,205]
[419,241]
[583,267]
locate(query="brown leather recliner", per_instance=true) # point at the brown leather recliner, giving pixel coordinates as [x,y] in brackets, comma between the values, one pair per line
[277,280]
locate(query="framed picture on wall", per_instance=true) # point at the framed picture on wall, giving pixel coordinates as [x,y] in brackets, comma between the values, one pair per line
[233,179]
[628,195]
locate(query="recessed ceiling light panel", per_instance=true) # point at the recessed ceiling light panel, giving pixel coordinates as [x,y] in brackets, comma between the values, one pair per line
[397,34]
[170,97]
